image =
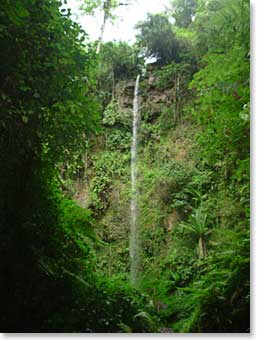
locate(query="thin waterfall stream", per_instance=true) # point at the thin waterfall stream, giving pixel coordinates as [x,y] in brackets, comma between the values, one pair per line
[134,232]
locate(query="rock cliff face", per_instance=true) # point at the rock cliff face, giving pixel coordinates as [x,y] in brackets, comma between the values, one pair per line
[160,143]
[163,153]
[124,91]
[152,96]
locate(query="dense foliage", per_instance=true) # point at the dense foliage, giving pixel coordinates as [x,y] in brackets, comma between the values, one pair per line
[157,39]
[65,184]
[183,12]
[48,110]
[194,168]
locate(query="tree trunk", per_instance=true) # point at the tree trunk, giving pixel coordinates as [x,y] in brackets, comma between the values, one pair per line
[113,84]
[106,7]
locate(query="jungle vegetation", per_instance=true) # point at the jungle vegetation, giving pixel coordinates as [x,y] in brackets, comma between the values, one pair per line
[66,128]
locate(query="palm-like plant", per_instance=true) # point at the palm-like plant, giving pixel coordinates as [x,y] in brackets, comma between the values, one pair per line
[198,225]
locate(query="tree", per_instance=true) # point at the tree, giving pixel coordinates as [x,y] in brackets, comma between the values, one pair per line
[183,11]
[222,86]
[118,61]
[48,109]
[107,7]
[198,225]
[157,39]
[222,24]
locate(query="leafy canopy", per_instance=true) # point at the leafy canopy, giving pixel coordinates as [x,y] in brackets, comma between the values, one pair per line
[157,39]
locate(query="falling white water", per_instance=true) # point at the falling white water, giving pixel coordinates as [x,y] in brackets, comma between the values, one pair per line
[134,233]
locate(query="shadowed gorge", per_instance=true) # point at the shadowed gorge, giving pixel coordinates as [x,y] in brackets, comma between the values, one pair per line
[125,170]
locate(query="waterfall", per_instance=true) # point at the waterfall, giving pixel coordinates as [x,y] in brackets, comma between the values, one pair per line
[134,233]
